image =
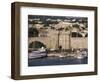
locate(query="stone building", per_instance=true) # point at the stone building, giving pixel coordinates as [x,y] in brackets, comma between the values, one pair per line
[53,39]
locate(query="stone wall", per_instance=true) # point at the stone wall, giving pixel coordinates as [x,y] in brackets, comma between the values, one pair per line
[79,42]
[52,42]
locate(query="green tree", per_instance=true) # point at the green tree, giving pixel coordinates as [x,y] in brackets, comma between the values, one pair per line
[33,32]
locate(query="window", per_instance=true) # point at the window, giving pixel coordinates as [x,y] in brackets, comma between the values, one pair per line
[76,34]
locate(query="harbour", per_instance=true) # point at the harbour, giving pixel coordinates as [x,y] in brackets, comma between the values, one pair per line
[45,58]
[48,61]
[57,40]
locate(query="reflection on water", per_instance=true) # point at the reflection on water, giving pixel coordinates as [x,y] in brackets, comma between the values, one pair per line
[56,61]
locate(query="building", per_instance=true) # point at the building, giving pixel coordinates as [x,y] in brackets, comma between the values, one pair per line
[60,36]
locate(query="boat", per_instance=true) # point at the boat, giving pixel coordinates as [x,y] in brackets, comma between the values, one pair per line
[40,53]
[37,54]
[61,56]
[79,57]
[82,54]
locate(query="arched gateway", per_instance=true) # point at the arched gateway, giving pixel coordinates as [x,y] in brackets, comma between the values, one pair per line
[36,44]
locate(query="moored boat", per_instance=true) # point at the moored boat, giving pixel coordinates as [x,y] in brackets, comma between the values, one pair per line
[37,54]
[82,54]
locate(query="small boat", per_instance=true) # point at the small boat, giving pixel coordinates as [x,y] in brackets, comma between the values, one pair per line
[82,54]
[52,49]
[38,54]
[61,56]
[80,57]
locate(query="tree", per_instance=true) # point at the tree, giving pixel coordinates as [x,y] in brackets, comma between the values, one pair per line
[33,32]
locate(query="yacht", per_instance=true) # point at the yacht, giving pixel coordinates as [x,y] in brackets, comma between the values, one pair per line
[37,53]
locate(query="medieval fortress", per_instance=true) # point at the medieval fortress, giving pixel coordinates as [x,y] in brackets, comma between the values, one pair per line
[63,34]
